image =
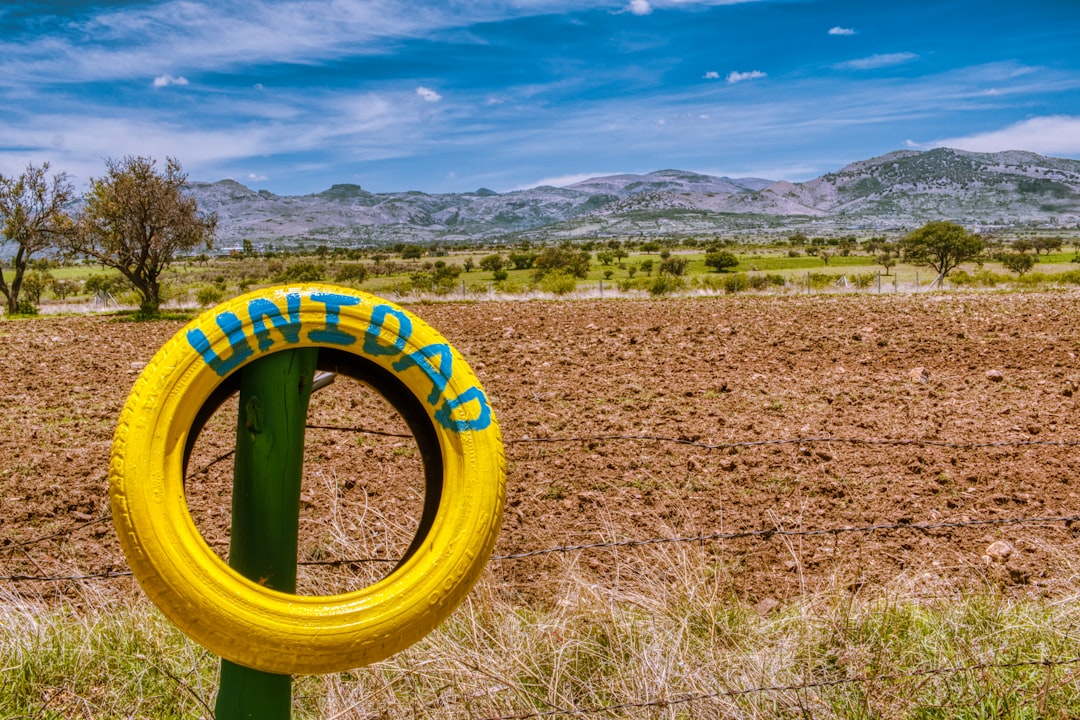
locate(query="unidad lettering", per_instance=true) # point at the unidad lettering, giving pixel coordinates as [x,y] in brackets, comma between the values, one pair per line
[387,335]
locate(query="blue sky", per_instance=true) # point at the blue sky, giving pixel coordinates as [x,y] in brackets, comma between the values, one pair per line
[295,95]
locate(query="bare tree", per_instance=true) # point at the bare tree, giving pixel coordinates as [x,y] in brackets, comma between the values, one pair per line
[32,207]
[136,219]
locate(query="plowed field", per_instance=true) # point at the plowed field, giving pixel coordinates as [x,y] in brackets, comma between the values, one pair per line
[894,380]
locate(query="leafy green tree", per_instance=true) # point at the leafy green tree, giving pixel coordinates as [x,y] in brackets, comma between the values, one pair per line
[721,260]
[887,261]
[1018,262]
[136,219]
[941,245]
[492,263]
[1047,244]
[412,252]
[350,272]
[32,207]
[301,272]
[522,260]
[562,259]
[34,284]
[673,265]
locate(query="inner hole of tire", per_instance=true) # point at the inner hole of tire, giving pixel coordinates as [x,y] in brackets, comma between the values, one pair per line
[362,494]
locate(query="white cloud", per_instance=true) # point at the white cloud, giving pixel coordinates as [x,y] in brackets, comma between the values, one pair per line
[737,77]
[712,75]
[428,94]
[255,177]
[639,7]
[1048,135]
[837,30]
[877,61]
[564,180]
[167,80]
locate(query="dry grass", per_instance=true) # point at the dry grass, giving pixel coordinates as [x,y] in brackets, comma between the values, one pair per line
[664,643]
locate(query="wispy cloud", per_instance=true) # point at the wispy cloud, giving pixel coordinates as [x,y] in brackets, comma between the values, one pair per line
[639,7]
[166,80]
[428,94]
[837,30]
[1048,135]
[877,61]
[711,75]
[737,77]
[564,180]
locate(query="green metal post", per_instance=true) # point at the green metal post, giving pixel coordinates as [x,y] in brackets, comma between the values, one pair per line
[274,394]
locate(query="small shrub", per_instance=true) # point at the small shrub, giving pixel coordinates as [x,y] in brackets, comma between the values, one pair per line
[350,272]
[664,283]
[209,295]
[863,280]
[558,283]
[303,271]
[736,283]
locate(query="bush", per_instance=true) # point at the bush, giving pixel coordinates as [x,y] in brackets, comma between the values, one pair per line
[303,271]
[64,287]
[721,261]
[208,295]
[673,265]
[562,260]
[97,284]
[492,263]
[350,272]
[736,283]
[664,283]
[522,260]
[863,280]
[558,282]
[762,282]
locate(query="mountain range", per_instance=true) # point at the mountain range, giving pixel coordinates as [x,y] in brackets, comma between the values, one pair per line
[902,189]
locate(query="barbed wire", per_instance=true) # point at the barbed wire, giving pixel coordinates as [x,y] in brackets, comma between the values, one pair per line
[898,442]
[697,697]
[764,534]
[60,533]
[62,578]
[809,440]
[761,534]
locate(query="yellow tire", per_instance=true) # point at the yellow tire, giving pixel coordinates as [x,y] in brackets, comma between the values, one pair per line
[248,623]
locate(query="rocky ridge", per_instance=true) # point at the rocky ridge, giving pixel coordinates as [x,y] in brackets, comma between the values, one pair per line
[901,189]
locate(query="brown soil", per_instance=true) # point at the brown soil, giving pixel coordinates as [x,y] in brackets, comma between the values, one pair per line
[707,371]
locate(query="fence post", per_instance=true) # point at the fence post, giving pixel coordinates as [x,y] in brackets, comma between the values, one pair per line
[807,282]
[601,289]
[268,467]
